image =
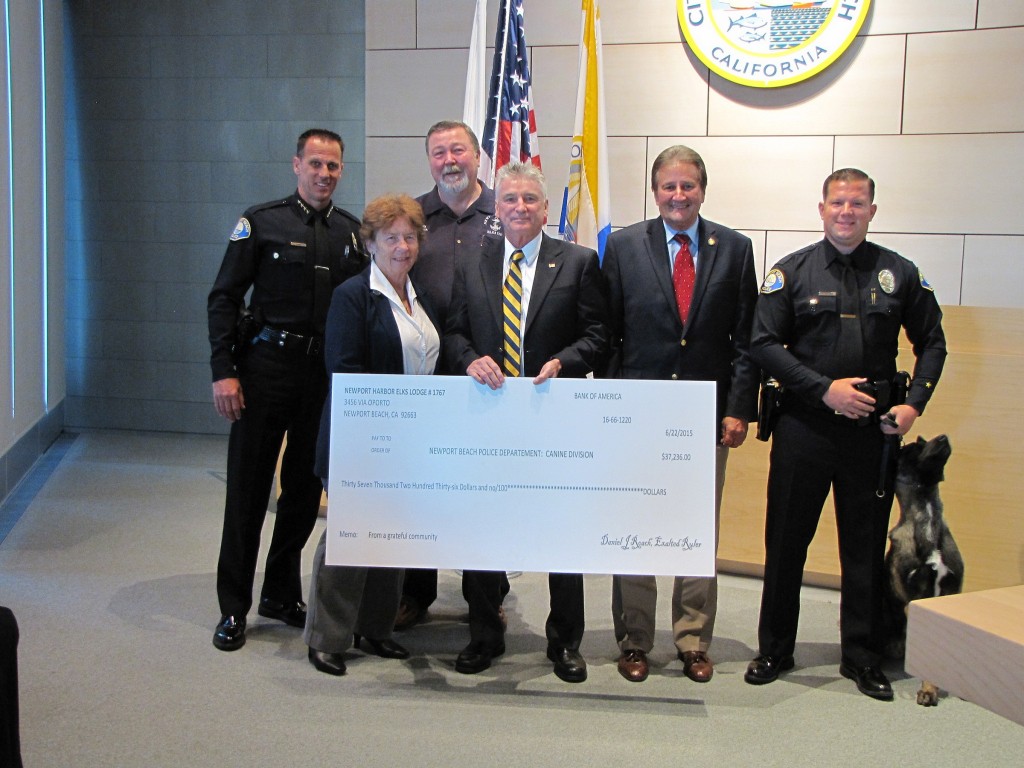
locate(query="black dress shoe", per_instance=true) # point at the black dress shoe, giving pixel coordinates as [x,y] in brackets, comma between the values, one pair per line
[230,633]
[870,681]
[292,614]
[330,663]
[386,648]
[477,656]
[766,669]
[570,665]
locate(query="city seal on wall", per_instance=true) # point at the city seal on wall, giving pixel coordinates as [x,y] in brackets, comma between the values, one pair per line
[773,43]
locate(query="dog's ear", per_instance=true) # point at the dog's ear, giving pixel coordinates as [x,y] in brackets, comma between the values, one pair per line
[921,441]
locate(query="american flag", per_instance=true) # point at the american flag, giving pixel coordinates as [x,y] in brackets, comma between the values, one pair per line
[510,131]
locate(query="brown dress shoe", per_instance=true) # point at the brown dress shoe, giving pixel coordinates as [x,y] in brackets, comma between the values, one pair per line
[409,614]
[633,665]
[697,666]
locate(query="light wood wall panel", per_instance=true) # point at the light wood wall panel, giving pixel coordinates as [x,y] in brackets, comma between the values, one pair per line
[862,96]
[994,272]
[965,82]
[392,24]
[551,88]
[627,158]
[449,23]
[758,241]
[639,21]
[653,90]
[904,16]
[638,103]
[399,165]
[552,23]
[404,96]
[1000,13]
[914,171]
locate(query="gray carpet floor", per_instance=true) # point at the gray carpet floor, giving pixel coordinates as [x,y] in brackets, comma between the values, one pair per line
[109,568]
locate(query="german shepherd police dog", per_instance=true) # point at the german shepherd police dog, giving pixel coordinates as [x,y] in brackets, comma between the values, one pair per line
[923,560]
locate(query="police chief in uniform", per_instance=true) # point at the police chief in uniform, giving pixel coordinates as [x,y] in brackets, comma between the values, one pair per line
[826,326]
[269,378]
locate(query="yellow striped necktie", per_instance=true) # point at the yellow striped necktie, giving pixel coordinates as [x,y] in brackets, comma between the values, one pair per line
[512,308]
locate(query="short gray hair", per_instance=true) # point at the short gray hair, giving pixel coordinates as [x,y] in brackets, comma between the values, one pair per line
[527,171]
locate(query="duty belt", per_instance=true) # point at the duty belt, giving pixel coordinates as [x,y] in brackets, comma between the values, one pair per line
[309,345]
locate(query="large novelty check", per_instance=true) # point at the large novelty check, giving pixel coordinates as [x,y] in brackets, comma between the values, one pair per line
[574,475]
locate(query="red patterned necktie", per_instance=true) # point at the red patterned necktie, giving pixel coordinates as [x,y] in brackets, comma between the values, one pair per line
[683,275]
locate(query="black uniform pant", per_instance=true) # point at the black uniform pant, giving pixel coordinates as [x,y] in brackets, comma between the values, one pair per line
[811,453]
[284,392]
[485,590]
[420,586]
[10,738]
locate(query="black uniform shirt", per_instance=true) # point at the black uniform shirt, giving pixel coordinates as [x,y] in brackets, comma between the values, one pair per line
[797,326]
[271,251]
[449,239]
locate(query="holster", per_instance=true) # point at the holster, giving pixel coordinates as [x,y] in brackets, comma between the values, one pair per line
[769,405]
[886,394]
[898,390]
[247,327]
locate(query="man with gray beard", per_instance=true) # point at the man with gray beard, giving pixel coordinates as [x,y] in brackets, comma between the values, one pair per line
[458,210]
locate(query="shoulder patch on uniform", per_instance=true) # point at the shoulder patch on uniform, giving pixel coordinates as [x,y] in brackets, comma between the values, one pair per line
[242,230]
[773,281]
[924,283]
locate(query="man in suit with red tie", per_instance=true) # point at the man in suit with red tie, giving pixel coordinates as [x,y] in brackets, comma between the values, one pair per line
[681,299]
[529,306]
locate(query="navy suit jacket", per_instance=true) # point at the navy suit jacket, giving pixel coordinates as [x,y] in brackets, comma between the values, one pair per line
[648,339]
[361,336]
[567,317]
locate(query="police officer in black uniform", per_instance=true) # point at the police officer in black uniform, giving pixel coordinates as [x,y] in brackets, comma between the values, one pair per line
[827,326]
[269,377]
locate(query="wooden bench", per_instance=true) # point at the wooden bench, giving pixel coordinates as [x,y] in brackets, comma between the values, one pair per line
[972,645]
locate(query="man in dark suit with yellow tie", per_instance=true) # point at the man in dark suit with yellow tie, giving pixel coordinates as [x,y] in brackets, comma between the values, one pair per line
[530,306]
[681,296]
